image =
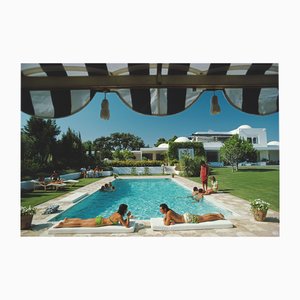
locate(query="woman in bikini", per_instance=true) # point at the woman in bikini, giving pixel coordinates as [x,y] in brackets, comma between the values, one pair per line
[114,219]
[214,186]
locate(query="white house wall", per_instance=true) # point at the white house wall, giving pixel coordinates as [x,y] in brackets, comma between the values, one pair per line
[264,154]
[274,155]
[259,133]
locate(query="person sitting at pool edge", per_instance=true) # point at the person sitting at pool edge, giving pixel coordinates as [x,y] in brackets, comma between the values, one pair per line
[171,217]
[114,219]
[214,185]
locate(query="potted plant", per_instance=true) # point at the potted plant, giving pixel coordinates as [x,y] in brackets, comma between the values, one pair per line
[26,216]
[259,208]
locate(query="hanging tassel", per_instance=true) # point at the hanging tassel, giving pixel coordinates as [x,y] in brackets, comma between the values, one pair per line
[214,107]
[104,114]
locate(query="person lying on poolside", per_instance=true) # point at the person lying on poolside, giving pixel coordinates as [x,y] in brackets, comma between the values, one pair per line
[114,219]
[171,217]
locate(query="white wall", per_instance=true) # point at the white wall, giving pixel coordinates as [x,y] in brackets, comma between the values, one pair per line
[274,155]
[260,133]
[263,155]
[141,170]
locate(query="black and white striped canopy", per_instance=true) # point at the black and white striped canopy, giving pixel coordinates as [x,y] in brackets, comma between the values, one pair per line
[60,90]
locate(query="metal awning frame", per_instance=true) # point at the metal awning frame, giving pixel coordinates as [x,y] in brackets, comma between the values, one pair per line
[107,83]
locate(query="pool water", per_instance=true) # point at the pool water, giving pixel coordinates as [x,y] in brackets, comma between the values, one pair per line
[143,197]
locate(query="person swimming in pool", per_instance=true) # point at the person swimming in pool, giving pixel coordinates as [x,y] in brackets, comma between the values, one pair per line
[197,194]
[114,219]
[171,217]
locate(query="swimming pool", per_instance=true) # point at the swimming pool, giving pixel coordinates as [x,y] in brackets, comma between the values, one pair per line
[143,197]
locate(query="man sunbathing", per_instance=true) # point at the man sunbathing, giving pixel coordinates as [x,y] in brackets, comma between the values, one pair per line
[171,217]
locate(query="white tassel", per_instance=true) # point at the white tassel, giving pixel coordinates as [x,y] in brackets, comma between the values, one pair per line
[104,114]
[214,107]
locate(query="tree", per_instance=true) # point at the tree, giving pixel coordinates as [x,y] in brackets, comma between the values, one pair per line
[87,146]
[126,141]
[42,134]
[236,150]
[160,141]
[123,155]
[27,148]
[103,147]
[71,150]
[173,138]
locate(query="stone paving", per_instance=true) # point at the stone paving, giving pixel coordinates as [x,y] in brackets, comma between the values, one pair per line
[243,221]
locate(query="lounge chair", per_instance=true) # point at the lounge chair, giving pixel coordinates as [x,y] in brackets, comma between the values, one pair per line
[56,185]
[95,230]
[71,182]
[37,183]
[157,224]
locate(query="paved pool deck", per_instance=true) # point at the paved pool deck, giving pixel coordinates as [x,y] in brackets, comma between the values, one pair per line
[243,221]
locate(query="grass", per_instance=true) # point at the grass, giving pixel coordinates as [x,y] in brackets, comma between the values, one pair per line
[249,183]
[40,196]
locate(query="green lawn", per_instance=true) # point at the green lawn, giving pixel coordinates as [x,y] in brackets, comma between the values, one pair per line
[40,196]
[249,183]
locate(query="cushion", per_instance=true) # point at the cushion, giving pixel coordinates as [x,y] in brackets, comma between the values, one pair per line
[157,224]
[91,230]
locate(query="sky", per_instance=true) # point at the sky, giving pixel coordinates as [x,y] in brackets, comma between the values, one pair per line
[196,118]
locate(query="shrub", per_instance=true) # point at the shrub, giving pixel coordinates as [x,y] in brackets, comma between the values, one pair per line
[132,163]
[190,166]
[29,168]
[259,204]
[133,171]
[146,171]
[173,162]
[28,211]
[173,149]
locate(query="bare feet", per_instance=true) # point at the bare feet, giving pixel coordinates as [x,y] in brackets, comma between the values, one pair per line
[59,225]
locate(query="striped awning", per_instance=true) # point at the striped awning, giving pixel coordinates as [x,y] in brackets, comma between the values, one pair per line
[60,90]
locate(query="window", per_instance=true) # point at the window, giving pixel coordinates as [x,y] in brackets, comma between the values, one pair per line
[249,140]
[254,140]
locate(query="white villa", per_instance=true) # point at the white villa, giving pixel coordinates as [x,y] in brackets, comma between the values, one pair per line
[213,141]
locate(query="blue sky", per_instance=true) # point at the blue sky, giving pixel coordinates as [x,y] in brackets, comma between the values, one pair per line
[150,128]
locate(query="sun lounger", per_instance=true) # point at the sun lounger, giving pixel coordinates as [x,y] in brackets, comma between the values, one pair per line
[94,230]
[56,185]
[157,224]
[37,183]
[71,182]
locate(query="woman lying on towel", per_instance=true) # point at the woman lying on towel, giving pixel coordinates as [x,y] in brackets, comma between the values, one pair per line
[114,219]
[171,217]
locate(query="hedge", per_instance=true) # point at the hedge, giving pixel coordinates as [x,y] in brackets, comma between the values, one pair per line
[133,163]
[174,146]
